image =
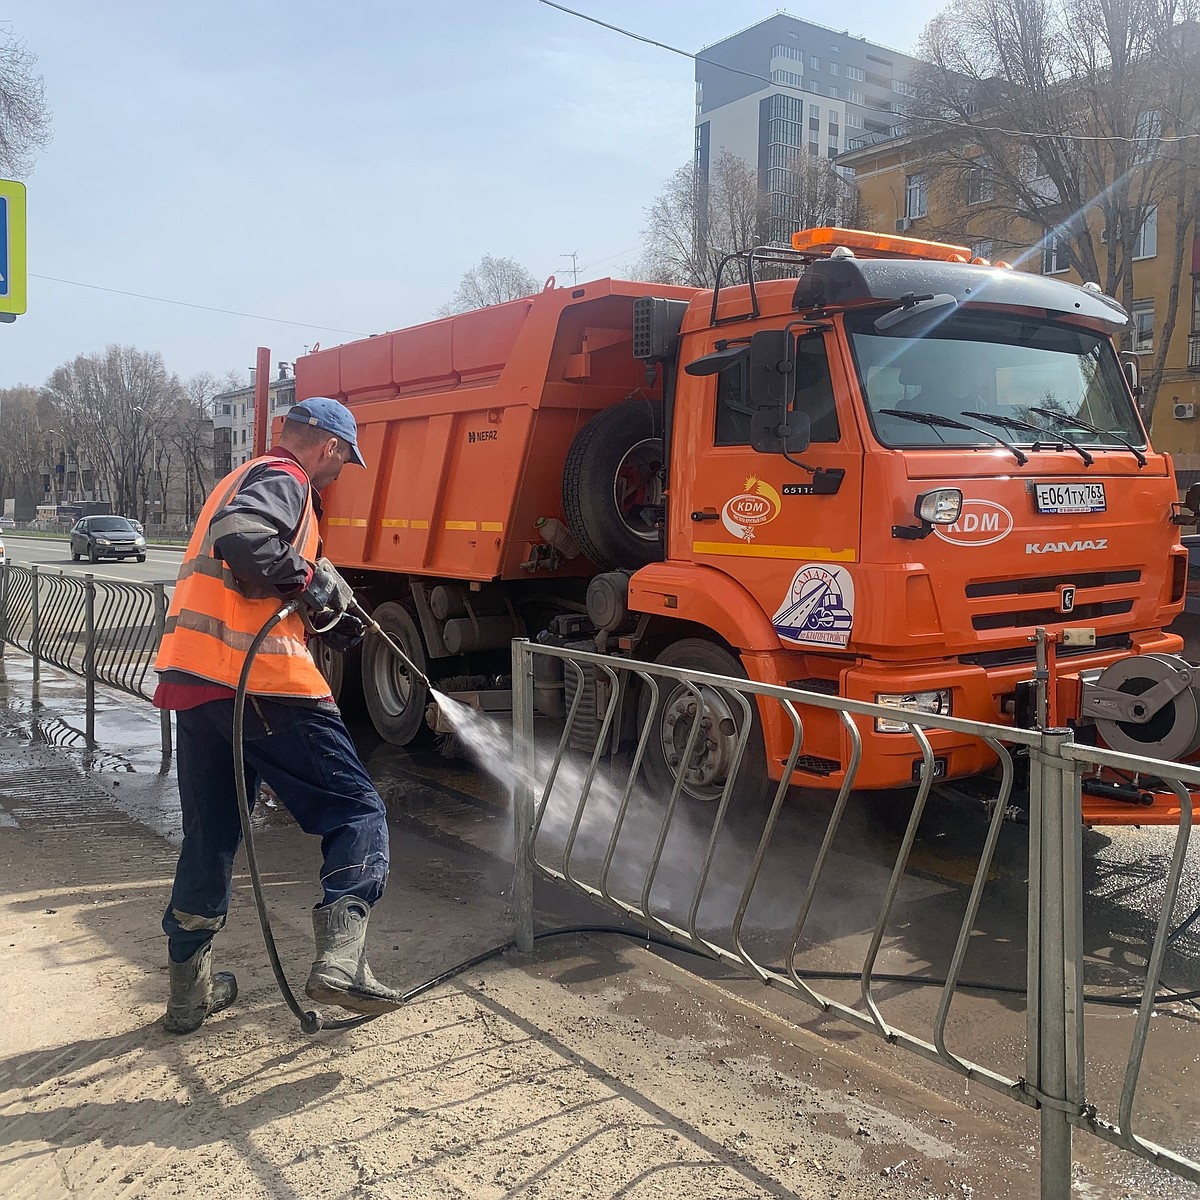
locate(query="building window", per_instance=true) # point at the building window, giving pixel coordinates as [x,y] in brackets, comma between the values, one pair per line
[853,97]
[979,181]
[903,89]
[1142,313]
[854,120]
[811,85]
[984,248]
[790,78]
[1145,245]
[1037,179]
[1196,303]
[788,52]
[833,146]
[835,68]
[1054,256]
[856,73]
[814,62]
[814,146]
[1147,129]
[915,200]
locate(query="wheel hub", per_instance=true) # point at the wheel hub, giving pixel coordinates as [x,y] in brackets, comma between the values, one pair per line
[715,747]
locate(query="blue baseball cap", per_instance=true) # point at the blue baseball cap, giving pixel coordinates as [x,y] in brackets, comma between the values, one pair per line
[332,416]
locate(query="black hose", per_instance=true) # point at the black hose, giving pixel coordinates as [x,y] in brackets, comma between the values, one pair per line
[311,1020]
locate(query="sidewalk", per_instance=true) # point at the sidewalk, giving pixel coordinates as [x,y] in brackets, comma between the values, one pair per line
[594,1067]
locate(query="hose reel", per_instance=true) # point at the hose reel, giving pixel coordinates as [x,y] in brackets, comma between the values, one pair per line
[1148,705]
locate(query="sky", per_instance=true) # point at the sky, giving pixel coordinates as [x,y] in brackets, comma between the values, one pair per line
[336,168]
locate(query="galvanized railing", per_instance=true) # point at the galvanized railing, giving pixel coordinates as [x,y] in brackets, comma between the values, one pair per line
[587,821]
[101,630]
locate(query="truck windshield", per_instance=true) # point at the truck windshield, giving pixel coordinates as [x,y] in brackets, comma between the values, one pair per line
[1054,378]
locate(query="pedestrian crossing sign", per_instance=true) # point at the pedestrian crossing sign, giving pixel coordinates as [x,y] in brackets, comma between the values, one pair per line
[12,249]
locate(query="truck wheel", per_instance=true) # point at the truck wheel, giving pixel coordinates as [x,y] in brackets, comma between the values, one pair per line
[342,671]
[613,486]
[712,756]
[395,699]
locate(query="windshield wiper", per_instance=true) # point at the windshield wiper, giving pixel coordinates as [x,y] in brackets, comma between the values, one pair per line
[940,422]
[1060,438]
[1075,422]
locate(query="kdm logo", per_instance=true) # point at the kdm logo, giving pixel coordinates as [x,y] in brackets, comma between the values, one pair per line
[757,505]
[980,523]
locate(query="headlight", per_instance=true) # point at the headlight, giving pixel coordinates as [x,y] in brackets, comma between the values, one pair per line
[931,704]
[139,541]
[103,542]
[942,506]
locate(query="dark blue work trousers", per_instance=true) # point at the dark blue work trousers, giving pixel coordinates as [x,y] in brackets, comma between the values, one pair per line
[306,756]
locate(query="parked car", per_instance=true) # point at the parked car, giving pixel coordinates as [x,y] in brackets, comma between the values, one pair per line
[7,523]
[136,524]
[106,537]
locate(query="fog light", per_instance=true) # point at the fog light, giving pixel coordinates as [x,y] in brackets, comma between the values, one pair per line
[929,704]
[942,506]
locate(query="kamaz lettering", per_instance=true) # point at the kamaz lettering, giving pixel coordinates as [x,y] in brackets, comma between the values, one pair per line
[1065,547]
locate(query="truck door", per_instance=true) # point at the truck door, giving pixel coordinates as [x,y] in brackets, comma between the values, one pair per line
[761,518]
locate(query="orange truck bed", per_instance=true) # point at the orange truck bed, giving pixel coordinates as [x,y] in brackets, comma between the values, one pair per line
[465,424]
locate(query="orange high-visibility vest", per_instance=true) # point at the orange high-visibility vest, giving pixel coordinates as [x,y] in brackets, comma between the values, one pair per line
[211,623]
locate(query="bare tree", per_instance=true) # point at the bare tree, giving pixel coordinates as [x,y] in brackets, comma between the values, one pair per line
[1063,114]
[490,281]
[24,113]
[694,222]
[22,448]
[118,408]
[190,434]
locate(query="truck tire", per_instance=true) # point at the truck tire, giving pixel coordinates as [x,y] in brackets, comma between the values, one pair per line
[673,722]
[613,487]
[395,700]
[342,671]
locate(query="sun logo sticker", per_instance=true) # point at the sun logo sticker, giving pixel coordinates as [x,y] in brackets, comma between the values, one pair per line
[755,506]
[819,607]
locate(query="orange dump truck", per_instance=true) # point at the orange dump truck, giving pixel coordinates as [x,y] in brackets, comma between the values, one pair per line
[874,478]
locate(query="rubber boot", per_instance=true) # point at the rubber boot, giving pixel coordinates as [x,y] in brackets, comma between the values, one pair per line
[340,974]
[196,992]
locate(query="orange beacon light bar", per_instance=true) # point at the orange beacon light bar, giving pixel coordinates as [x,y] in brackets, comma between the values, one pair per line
[826,238]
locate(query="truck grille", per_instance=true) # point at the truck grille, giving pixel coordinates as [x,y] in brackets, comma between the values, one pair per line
[1049,583]
[1080,615]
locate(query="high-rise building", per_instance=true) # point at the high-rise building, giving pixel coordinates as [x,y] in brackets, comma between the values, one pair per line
[787,85]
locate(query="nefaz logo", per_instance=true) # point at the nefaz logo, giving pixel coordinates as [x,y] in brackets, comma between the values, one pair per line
[980,523]
[1065,547]
[481,435]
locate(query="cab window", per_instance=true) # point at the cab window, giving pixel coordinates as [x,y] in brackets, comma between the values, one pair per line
[814,395]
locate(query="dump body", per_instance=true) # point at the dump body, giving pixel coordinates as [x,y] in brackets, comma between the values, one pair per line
[465,424]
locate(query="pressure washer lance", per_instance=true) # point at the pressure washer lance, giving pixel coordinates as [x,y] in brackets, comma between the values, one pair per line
[311,1020]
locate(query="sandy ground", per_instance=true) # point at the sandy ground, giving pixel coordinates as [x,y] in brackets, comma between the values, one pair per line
[593,1068]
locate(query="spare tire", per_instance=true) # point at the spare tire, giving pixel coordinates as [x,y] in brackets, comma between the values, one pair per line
[613,485]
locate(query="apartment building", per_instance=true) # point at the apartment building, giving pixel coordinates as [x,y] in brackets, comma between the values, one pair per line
[233,418]
[785,85]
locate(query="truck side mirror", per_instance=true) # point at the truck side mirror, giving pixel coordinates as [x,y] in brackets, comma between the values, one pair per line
[773,433]
[1132,366]
[772,369]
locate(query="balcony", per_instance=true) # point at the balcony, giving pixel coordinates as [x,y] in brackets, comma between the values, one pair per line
[1194,351]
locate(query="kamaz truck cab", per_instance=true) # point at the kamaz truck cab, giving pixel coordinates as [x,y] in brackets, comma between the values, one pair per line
[888,471]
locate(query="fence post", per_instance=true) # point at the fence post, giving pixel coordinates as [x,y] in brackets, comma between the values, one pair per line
[523,777]
[89,655]
[160,627]
[35,643]
[3,606]
[1055,962]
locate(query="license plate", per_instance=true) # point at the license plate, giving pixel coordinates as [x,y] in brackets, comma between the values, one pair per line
[1070,497]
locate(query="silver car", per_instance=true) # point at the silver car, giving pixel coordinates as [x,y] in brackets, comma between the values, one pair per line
[106,537]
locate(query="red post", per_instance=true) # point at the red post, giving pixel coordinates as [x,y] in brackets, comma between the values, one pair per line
[262,380]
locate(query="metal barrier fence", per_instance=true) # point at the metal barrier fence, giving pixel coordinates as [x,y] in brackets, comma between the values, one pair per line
[101,630]
[583,818]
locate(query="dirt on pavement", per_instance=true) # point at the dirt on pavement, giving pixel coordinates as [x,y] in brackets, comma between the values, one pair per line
[595,1067]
